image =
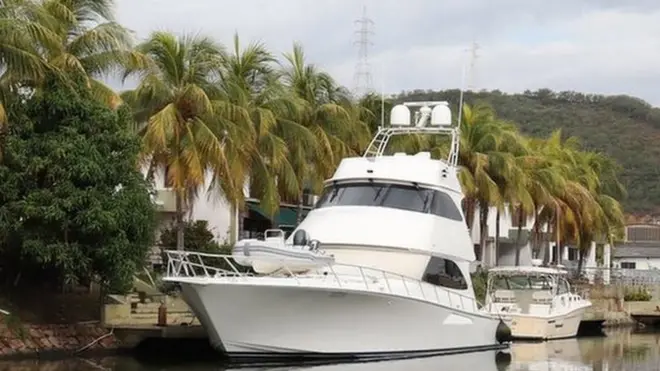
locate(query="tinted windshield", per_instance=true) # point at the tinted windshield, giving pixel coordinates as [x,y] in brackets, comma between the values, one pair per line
[404,197]
[522,282]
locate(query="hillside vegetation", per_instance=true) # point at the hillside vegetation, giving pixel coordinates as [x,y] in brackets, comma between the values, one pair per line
[623,127]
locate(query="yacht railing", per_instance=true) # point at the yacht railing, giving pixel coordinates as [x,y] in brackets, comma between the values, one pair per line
[347,276]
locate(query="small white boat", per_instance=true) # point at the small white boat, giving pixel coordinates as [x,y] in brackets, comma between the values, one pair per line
[535,302]
[273,254]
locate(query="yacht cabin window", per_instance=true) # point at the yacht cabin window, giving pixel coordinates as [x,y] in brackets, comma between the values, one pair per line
[521,282]
[563,287]
[444,272]
[397,196]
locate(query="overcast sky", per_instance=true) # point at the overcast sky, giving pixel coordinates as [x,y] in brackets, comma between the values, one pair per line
[602,46]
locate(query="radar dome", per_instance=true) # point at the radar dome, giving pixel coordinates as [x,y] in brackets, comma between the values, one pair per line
[441,115]
[400,116]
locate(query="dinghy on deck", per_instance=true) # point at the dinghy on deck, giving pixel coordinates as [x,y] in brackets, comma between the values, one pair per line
[273,254]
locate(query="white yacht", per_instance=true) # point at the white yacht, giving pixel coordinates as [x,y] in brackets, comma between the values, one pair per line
[398,283]
[535,302]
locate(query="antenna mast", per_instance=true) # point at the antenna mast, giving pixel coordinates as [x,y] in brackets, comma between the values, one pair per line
[468,74]
[362,80]
[471,70]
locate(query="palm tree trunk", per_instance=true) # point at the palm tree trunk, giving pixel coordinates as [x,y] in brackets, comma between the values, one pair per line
[469,208]
[547,238]
[235,224]
[580,261]
[538,247]
[582,247]
[483,228]
[180,225]
[299,212]
[520,221]
[557,231]
[497,236]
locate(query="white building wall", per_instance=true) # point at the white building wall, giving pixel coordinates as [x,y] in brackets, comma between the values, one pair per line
[209,206]
[640,263]
[507,251]
[507,255]
[506,223]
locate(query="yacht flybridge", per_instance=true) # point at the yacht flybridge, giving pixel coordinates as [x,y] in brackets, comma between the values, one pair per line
[379,268]
[536,302]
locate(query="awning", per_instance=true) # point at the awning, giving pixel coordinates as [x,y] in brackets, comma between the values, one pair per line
[285,217]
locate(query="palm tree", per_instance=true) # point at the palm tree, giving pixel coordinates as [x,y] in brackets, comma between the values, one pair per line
[324,113]
[482,143]
[90,42]
[544,180]
[508,169]
[23,34]
[187,127]
[572,195]
[251,83]
[603,219]
[378,108]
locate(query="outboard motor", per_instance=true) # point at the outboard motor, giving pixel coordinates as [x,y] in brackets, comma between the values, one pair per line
[300,238]
[503,333]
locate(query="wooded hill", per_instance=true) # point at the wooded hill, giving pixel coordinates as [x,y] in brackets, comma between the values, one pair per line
[623,127]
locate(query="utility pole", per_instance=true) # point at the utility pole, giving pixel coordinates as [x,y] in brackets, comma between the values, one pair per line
[362,79]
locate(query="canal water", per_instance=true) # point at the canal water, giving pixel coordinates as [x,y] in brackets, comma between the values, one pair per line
[618,351]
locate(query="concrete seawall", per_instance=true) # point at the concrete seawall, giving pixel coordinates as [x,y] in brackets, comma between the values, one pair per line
[126,322]
[26,341]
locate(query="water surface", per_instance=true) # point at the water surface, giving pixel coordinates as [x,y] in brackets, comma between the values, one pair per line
[619,351]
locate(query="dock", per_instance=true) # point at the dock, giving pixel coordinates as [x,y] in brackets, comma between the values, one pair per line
[134,319]
[645,312]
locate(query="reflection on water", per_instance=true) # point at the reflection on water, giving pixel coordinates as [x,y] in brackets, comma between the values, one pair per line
[619,351]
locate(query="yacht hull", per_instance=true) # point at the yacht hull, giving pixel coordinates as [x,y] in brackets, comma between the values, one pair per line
[545,328]
[252,320]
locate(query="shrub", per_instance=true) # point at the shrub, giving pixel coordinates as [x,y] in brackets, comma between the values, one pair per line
[479,284]
[198,238]
[637,294]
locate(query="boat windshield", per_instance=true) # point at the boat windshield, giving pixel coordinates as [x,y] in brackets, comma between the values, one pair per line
[521,282]
[397,196]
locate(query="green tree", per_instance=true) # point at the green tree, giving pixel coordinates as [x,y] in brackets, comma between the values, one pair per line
[251,83]
[22,36]
[73,206]
[324,103]
[198,237]
[90,42]
[186,124]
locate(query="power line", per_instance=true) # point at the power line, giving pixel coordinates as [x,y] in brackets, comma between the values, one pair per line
[362,80]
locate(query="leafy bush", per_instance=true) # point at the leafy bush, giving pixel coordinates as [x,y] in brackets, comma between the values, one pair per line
[73,206]
[479,284]
[637,294]
[198,238]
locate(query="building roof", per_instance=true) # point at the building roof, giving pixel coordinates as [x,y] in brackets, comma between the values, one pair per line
[643,233]
[527,270]
[637,250]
